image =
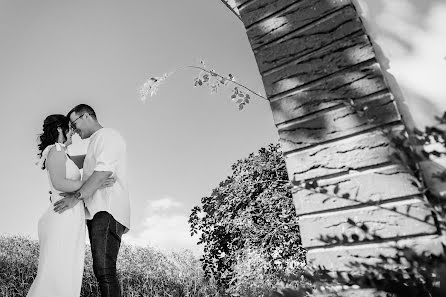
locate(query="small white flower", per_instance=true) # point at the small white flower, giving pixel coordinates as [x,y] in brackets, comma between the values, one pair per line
[151,86]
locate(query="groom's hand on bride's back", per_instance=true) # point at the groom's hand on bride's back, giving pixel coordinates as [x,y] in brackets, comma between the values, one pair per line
[65,203]
[108,183]
[70,199]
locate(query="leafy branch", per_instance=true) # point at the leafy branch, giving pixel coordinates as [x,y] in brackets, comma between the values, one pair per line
[212,79]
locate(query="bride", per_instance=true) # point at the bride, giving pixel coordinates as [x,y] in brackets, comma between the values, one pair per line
[61,236]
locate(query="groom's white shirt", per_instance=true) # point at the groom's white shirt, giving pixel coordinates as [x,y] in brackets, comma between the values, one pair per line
[107,152]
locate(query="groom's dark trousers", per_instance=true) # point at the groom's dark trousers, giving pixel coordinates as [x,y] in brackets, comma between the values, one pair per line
[105,239]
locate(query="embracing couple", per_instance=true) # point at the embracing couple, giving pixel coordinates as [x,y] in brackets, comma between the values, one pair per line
[99,200]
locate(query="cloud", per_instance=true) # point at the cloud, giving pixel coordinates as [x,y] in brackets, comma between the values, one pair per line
[165,227]
[162,204]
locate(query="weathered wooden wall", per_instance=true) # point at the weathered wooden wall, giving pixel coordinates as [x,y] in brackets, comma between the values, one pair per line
[313,56]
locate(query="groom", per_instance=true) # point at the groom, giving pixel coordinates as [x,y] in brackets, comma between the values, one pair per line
[107,209]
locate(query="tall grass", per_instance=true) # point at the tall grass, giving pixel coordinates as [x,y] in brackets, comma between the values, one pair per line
[142,271]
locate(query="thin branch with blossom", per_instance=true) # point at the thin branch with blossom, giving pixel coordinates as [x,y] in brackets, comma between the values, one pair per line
[207,77]
[230,78]
[151,86]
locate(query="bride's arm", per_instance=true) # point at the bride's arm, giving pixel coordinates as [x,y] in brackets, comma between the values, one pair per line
[55,163]
[78,160]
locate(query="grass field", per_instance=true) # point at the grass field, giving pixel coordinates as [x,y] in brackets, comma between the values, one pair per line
[142,271]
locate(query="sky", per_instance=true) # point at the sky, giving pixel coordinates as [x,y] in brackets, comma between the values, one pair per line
[181,142]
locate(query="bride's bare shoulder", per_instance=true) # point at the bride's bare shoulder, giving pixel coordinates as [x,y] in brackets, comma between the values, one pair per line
[55,155]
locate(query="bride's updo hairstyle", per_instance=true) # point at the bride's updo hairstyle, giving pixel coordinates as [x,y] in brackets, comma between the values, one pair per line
[50,134]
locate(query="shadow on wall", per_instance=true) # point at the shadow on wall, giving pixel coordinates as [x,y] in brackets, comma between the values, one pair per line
[341,134]
[398,18]
[411,35]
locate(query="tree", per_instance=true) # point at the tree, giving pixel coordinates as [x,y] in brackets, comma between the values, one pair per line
[250,210]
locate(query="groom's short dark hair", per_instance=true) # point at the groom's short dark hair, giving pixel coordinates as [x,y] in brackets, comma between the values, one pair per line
[83,108]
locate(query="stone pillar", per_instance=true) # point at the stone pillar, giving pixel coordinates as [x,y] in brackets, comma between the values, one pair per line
[315,59]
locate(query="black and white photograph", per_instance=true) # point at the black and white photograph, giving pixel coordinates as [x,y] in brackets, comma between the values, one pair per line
[223,148]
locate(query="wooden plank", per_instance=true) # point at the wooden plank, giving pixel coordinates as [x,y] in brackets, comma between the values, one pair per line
[369,187]
[337,123]
[386,221]
[287,20]
[354,153]
[258,10]
[243,3]
[339,258]
[341,24]
[338,56]
[353,85]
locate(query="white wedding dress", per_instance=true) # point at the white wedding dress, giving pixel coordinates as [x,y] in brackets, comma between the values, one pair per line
[62,243]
